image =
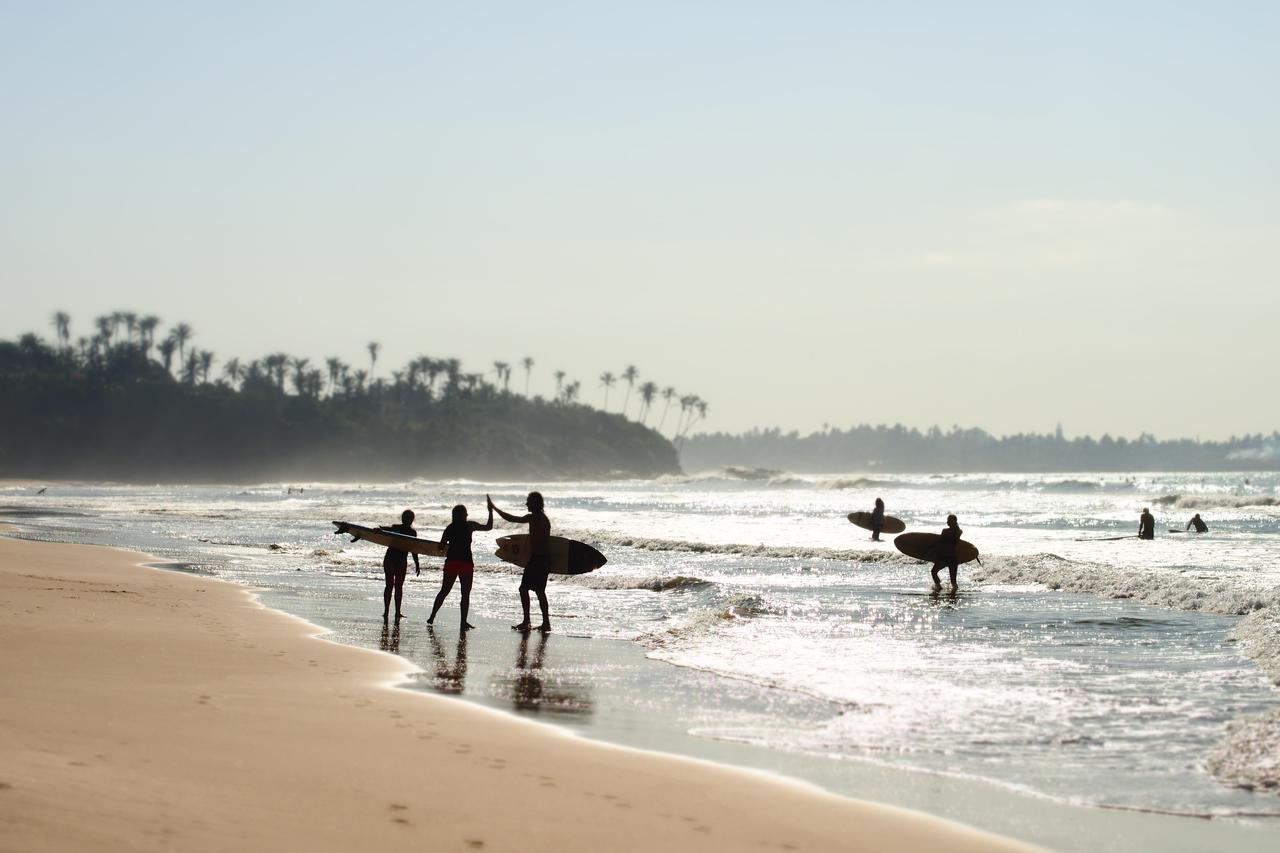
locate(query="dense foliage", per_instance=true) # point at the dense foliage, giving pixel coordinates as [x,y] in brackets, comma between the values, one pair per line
[898,448]
[110,407]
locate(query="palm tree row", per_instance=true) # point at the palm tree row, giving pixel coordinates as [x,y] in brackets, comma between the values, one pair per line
[692,407]
[111,353]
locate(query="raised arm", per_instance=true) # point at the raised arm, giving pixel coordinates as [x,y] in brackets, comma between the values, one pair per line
[488,525]
[515,519]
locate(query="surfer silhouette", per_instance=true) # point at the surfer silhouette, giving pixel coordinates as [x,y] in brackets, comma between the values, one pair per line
[535,574]
[458,564]
[877,520]
[395,565]
[1198,523]
[1146,525]
[948,553]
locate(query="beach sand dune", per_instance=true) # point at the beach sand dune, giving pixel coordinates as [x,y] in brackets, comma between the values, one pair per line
[151,710]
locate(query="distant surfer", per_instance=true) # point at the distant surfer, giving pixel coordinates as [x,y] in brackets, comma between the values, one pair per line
[948,553]
[1146,525]
[458,564]
[877,520]
[395,565]
[535,574]
[1198,523]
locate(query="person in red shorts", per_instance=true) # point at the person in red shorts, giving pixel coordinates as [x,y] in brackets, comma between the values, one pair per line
[458,565]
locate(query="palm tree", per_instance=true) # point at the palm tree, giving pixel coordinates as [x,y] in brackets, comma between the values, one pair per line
[206,362]
[105,329]
[130,323]
[698,411]
[275,366]
[630,374]
[571,391]
[181,334]
[190,367]
[334,366]
[299,366]
[560,374]
[374,349]
[527,361]
[62,327]
[686,403]
[501,369]
[233,371]
[361,376]
[606,379]
[147,332]
[668,394]
[452,369]
[166,347]
[648,391]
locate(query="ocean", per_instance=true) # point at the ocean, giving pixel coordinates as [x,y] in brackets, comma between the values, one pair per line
[741,618]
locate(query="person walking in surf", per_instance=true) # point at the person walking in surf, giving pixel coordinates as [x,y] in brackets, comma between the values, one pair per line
[1146,525]
[535,574]
[395,565]
[877,520]
[948,553]
[458,565]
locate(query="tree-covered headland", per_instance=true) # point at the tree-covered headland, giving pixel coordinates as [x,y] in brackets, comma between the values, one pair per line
[126,403]
[901,449]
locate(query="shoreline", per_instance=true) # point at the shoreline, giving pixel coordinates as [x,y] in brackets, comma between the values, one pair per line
[194,713]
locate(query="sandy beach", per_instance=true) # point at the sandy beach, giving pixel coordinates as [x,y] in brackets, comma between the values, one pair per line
[147,709]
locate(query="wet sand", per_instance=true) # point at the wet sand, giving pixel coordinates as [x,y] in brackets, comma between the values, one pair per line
[147,709]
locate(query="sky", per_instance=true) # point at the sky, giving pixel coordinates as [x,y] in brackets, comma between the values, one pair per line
[1005,215]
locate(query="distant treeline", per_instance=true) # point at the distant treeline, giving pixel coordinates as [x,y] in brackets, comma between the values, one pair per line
[110,407]
[897,448]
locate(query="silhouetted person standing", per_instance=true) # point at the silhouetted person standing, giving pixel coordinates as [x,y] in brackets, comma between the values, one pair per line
[458,564]
[535,574]
[1198,523]
[1146,525]
[877,520]
[948,553]
[395,565]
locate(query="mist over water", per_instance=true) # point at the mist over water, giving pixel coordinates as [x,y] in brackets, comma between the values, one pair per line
[1097,672]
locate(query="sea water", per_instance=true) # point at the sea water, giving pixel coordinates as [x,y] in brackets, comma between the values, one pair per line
[749,611]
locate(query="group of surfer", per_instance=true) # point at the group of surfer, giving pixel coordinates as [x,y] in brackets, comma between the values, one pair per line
[1147,525]
[947,554]
[459,566]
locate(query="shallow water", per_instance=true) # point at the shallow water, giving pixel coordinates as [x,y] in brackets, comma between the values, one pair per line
[786,629]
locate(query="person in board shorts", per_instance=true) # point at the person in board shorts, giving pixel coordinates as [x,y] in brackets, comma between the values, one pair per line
[535,574]
[458,565]
[948,553]
[877,520]
[395,565]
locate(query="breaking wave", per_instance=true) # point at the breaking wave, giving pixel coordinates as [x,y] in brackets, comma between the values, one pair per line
[653,584]
[783,552]
[1215,501]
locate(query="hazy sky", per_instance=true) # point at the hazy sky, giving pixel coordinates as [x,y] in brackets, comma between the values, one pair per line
[992,214]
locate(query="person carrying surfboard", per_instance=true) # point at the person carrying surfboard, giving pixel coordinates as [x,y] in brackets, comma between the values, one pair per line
[536,570]
[458,564]
[948,553]
[1146,525]
[877,520]
[395,565]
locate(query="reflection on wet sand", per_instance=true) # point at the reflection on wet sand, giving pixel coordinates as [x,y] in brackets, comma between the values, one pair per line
[390,639]
[449,678]
[530,687]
